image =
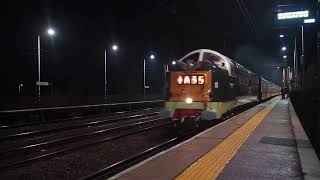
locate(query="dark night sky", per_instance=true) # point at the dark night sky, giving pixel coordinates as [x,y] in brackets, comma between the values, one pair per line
[74,59]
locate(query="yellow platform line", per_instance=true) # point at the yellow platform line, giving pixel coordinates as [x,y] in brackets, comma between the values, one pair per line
[210,165]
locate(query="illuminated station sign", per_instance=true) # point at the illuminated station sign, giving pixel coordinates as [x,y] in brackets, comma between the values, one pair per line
[308,21]
[293,15]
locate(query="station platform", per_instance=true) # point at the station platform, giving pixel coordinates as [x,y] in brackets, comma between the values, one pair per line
[264,142]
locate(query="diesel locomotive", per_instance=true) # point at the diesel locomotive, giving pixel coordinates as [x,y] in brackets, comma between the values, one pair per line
[206,85]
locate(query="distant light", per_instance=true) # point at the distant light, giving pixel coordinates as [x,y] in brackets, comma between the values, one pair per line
[292,15]
[51,32]
[308,21]
[173,62]
[189,100]
[284,48]
[285,57]
[114,47]
[278,67]
[281,35]
[152,56]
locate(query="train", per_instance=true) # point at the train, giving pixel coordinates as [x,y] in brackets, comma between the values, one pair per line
[205,85]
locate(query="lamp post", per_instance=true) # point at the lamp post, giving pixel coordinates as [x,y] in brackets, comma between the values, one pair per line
[295,72]
[284,74]
[114,49]
[145,86]
[50,32]
[302,55]
[20,89]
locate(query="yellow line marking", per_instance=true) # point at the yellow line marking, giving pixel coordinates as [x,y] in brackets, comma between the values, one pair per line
[210,165]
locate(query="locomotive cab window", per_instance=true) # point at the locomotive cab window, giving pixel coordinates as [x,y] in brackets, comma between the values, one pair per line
[212,58]
[191,59]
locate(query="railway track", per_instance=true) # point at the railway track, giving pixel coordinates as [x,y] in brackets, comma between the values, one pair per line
[64,120]
[126,130]
[91,123]
[123,164]
[77,137]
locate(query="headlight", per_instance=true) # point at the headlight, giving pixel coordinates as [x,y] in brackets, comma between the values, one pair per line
[188,100]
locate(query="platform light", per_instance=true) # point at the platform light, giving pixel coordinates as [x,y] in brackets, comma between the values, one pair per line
[51,32]
[114,47]
[152,56]
[174,63]
[189,100]
[278,67]
[293,15]
[284,48]
[284,56]
[309,21]
[281,35]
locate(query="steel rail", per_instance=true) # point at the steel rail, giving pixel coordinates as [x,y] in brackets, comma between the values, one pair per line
[72,149]
[72,138]
[54,130]
[73,119]
[77,107]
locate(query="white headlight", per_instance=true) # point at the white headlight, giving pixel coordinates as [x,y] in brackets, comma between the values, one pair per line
[189,100]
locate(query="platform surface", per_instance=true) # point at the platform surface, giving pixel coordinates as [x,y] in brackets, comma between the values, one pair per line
[259,143]
[270,152]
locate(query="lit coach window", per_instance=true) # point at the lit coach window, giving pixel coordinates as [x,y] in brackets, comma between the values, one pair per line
[193,79]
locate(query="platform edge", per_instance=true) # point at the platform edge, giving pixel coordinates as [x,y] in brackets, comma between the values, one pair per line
[309,161]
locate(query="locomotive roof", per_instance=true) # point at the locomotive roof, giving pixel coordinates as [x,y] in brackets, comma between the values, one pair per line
[229,63]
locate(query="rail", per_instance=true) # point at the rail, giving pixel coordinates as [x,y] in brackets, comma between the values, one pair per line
[78,107]
[44,114]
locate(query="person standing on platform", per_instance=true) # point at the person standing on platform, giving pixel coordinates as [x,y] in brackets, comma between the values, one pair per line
[283,92]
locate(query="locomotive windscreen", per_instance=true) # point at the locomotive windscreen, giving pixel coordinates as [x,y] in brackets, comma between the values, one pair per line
[192,58]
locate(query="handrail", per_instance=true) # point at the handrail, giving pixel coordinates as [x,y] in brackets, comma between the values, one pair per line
[76,107]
